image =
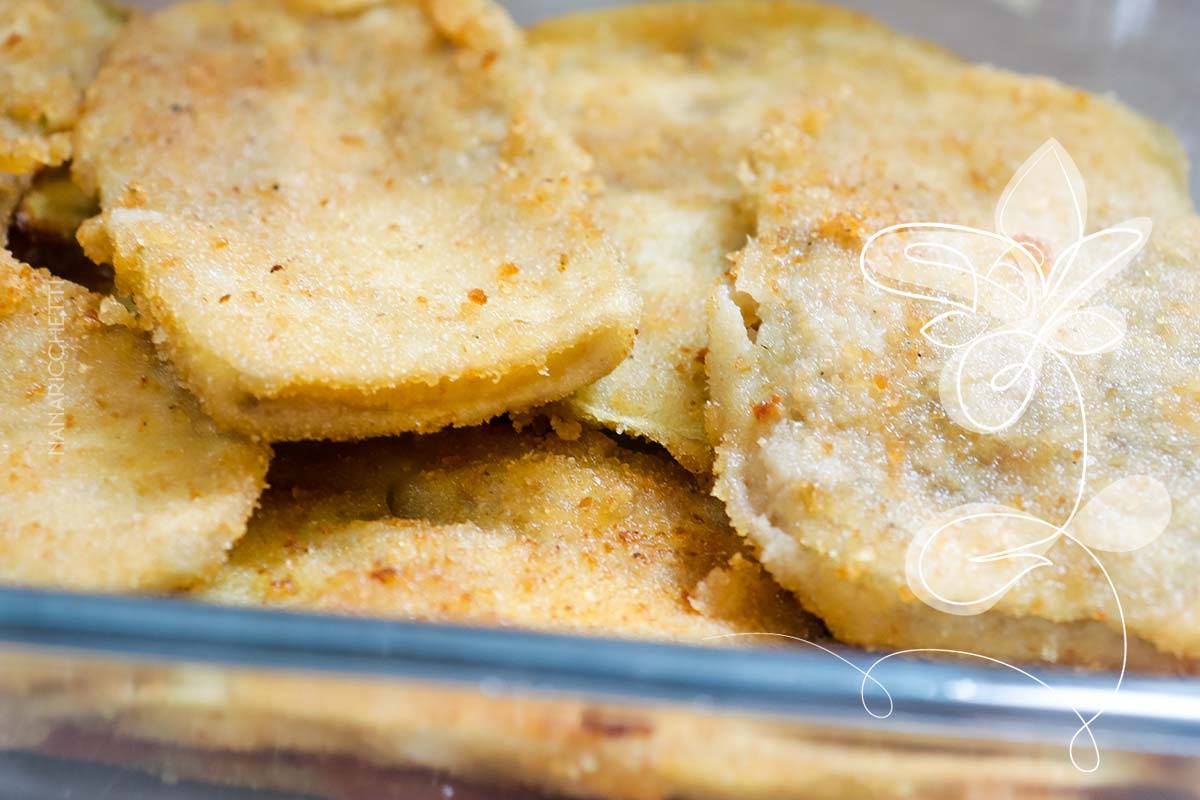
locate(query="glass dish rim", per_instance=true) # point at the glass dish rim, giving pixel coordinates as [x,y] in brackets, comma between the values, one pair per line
[805,686]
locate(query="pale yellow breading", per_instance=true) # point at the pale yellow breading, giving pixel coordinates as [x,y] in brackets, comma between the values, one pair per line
[491,526]
[49,52]
[834,447]
[676,248]
[110,476]
[54,206]
[350,224]
[666,97]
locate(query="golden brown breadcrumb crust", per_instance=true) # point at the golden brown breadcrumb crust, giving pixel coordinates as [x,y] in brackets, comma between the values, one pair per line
[491,526]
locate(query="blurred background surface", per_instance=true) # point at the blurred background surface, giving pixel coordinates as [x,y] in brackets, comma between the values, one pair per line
[1146,52]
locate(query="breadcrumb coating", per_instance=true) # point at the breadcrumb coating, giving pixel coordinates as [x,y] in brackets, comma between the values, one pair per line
[111,477]
[49,52]
[491,526]
[352,224]
[834,447]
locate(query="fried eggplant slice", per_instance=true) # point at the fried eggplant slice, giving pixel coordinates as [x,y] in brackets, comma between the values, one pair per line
[54,207]
[49,52]
[353,224]
[491,526]
[43,230]
[666,97]
[836,446]
[49,211]
[676,247]
[113,478]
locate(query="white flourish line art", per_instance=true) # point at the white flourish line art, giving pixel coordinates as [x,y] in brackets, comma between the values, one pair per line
[868,677]
[1012,298]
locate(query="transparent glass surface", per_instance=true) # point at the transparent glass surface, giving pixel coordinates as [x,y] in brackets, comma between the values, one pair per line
[152,698]
[1142,51]
[320,705]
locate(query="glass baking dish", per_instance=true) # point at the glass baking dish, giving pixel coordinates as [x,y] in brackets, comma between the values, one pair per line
[322,705]
[140,698]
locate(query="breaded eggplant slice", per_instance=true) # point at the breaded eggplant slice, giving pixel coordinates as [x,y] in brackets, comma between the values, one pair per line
[113,478]
[49,52]
[42,233]
[349,225]
[835,446]
[676,247]
[54,207]
[666,97]
[490,526]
